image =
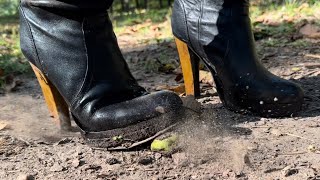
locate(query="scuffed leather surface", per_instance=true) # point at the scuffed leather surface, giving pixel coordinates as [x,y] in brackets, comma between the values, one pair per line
[129,112]
[80,6]
[199,19]
[221,35]
[79,54]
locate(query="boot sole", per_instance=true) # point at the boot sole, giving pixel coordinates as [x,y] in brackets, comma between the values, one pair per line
[134,135]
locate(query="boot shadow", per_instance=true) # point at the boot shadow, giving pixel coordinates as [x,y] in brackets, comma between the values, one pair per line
[311,88]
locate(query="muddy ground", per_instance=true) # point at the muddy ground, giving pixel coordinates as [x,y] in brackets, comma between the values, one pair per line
[217,145]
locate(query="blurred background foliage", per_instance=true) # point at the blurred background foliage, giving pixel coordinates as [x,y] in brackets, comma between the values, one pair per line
[271,19]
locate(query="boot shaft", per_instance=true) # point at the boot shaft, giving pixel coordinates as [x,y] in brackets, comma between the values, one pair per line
[75,6]
[199,22]
[77,50]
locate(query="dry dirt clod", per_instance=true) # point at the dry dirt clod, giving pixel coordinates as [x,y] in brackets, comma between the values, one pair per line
[75,163]
[112,161]
[25,177]
[145,160]
[179,158]
[56,168]
[276,132]
[93,167]
[157,156]
[289,171]
[191,103]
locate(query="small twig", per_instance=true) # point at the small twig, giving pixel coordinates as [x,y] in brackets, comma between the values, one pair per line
[264,126]
[299,137]
[294,153]
[297,153]
[310,73]
[313,55]
[137,143]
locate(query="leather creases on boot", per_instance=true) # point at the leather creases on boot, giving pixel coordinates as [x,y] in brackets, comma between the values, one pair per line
[219,33]
[78,53]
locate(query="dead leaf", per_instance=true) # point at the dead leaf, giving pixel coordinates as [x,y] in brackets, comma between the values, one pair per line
[167,68]
[206,77]
[3,125]
[177,89]
[310,31]
[162,87]
[178,78]
[295,69]
[11,83]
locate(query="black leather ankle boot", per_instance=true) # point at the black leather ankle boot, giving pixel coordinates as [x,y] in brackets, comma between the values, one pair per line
[219,33]
[74,46]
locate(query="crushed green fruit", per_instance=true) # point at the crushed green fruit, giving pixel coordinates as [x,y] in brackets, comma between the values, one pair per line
[165,144]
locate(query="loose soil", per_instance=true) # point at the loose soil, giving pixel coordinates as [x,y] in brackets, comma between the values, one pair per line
[218,144]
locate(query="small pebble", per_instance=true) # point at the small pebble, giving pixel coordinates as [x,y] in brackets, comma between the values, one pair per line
[160,109]
[112,161]
[145,160]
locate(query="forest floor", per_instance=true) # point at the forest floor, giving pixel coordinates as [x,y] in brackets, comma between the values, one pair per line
[219,144]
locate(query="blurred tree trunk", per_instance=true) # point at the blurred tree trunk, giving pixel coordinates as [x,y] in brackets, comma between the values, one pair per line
[124,5]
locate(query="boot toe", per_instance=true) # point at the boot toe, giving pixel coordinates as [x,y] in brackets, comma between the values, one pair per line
[285,99]
[133,111]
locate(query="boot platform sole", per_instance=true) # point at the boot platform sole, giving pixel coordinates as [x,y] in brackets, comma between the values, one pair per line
[132,136]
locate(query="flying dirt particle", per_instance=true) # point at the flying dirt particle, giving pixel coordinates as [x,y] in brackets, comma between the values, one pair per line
[160,109]
[275,99]
[261,102]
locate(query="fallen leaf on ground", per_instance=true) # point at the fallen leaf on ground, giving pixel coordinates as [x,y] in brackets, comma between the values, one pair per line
[11,83]
[177,89]
[167,68]
[296,69]
[310,31]
[206,77]
[3,125]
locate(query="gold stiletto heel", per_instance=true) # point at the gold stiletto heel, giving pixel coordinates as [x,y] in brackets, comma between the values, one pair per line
[190,68]
[58,108]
